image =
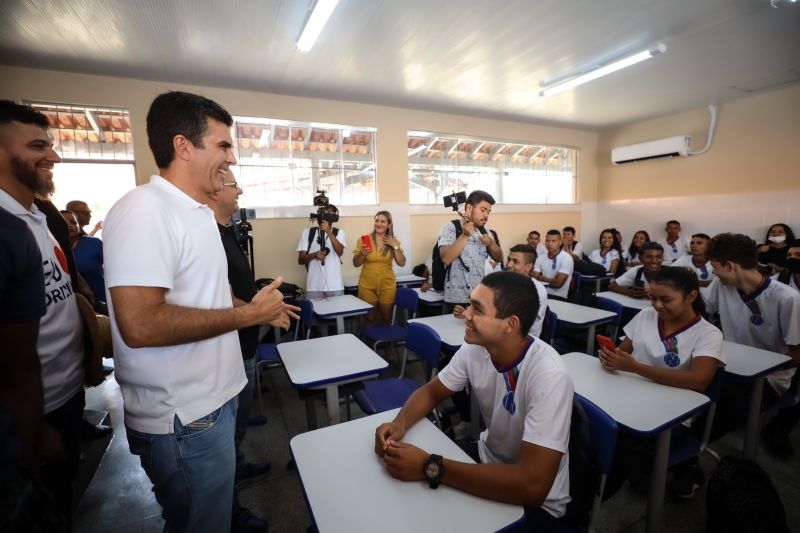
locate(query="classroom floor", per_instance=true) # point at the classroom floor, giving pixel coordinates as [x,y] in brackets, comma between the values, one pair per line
[119,497]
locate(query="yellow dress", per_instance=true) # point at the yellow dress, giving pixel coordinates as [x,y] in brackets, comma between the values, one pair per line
[377,282]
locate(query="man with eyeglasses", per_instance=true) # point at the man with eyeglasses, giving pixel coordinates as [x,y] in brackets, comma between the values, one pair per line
[176,352]
[674,245]
[224,204]
[84,215]
[555,267]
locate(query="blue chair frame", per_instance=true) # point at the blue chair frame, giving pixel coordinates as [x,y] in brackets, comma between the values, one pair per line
[406,299]
[384,394]
[615,307]
[603,432]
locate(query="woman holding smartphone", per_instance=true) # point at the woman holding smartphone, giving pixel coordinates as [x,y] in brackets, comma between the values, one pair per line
[670,343]
[377,283]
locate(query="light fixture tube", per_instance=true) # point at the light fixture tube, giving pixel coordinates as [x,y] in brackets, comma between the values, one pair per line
[602,71]
[316,21]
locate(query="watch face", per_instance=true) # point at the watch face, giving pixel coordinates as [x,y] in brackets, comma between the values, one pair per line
[431,470]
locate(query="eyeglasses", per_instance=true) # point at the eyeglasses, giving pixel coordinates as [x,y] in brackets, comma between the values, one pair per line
[233,184]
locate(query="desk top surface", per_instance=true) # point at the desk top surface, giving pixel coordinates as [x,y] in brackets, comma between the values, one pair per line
[449,328]
[633,401]
[318,362]
[626,301]
[430,296]
[348,488]
[340,305]
[579,315]
[746,361]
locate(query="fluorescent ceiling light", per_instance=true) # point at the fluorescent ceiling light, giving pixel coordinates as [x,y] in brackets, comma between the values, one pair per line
[601,70]
[316,21]
[417,150]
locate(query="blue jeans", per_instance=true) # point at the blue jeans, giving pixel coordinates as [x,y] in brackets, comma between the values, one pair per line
[243,411]
[192,470]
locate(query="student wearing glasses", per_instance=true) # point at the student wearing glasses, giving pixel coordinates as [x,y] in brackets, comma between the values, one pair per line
[555,267]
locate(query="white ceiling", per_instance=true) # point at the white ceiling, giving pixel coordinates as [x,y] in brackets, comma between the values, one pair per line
[476,58]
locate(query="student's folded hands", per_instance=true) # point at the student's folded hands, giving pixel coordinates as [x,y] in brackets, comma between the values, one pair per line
[404,461]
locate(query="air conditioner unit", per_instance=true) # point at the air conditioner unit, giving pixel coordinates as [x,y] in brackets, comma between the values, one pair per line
[670,147]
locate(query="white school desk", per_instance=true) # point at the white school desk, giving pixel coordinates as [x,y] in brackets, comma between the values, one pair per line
[339,307]
[449,328]
[643,406]
[327,362]
[580,316]
[634,304]
[403,280]
[754,364]
[597,279]
[348,489]
[431,298]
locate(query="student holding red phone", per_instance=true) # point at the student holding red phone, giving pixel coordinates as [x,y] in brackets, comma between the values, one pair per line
[672,344]
[377,283]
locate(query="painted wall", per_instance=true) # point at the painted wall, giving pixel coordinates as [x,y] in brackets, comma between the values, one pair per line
[276,238]
[749,179]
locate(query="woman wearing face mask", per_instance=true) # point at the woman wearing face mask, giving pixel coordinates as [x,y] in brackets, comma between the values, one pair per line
[791,276]
[773,253]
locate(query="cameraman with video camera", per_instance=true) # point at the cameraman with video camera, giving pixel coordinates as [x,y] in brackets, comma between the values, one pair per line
[320,248]
[464,245]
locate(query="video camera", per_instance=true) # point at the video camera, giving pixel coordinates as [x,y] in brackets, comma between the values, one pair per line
[455,199]
[321,202]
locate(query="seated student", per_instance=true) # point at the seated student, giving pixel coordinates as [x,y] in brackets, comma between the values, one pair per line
[698,262]
[609,253]
[754,311]
[521,259]
[534,239]
[636,281]
[671,343]
[631,254]
[791,276]
[773,253]
[525,396]
[569,244]
[554,267]
[674,245]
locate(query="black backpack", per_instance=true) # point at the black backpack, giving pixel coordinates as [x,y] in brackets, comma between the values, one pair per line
[439,272]
[589,268]
[312,232]
[784,277]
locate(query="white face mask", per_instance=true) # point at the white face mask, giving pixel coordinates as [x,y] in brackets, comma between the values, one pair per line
[778,239]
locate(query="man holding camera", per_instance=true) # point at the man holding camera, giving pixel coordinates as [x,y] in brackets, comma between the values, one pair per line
[314,251]
[464,249]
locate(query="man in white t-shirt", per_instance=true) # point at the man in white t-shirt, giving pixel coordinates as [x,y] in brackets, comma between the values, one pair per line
[698,261]
[674,245]
[320,249]
[524,394]
[753,310]
[176,352]
[27,160]
[535,242]
[554,267]
[635,282]
[569,244]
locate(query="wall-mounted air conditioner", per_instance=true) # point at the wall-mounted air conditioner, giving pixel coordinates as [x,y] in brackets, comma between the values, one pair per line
[670,147]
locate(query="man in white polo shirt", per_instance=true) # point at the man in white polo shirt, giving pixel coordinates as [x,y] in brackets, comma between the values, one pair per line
[555,267]
[176,351]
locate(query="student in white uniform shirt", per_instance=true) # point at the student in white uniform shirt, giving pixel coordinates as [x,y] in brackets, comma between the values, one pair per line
[555,267]
[756,311]
[521,259]
[525,396]
[670,343]
[534,241]
[698,262]
[569,244]
[608,255]
[636,281]
[674,245]
[631,254]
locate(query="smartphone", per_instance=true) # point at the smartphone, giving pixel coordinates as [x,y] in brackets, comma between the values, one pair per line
[366,243]
[605,342]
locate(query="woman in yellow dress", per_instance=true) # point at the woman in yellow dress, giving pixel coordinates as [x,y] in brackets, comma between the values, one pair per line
[377,283]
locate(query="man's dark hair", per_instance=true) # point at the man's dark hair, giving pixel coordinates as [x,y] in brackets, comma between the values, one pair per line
[178,113]
[534,232]
[554,232]
[525,249]
[733,247]
[419,270]
[569,229]
[476,197]
[652,245]
[702,236]
[14,112]
[514,294]
[672,222]
[684,281]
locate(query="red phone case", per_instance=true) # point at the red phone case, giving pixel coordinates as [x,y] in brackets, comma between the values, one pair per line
[605,342]
[366,243]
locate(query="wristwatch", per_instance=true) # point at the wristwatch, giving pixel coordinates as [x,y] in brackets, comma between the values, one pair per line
[433,468]
[396,248]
